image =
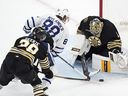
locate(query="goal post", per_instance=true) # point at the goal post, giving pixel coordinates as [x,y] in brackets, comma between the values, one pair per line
[101,8]
[116,12]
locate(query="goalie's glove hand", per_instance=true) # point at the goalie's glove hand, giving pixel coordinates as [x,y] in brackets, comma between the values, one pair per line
[94,41]
[46,82]
[122,60]
[116,51]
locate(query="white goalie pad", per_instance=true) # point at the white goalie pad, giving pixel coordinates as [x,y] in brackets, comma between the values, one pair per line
[115,63]
[77,45]
[101,62]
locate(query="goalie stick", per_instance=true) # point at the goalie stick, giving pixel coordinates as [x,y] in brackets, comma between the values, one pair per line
[87,78]
[84,66]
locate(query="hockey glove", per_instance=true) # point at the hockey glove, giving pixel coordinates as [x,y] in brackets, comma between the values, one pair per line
[48,73]
[120,59]
[116,51]
[94,41]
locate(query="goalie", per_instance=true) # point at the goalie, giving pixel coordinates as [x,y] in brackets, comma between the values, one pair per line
[102,35]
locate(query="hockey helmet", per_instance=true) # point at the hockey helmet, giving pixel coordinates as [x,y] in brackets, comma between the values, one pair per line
[96,26]
[63,15]
[39,33]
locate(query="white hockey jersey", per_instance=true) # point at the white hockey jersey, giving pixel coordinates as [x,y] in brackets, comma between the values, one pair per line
[54,26]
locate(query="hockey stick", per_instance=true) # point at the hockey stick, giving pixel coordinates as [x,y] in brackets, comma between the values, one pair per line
[85,70]
[65,77]
[84,65]
[86,77]
[55,9]
[71,78]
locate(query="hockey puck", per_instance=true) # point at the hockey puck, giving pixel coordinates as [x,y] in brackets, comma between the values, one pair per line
[101,80]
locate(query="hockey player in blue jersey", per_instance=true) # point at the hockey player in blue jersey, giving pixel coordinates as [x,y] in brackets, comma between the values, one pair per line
[20,60]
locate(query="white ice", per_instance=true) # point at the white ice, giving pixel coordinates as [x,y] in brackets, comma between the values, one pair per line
[12,18]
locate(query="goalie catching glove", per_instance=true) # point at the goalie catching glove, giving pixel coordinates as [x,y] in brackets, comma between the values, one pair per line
[94,41]
[120,59]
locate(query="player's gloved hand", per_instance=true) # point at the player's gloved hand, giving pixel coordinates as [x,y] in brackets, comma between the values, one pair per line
[48,73]
[94,41]
[46,82]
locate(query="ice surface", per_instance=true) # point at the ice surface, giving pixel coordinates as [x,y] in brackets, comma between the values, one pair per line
[13,15]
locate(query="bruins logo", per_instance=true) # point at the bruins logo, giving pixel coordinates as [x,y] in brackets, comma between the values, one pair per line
[94,41]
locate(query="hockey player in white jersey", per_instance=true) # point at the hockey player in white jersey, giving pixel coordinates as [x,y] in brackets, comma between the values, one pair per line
[54,25]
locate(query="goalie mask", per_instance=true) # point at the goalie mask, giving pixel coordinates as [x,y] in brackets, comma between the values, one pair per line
[39,33]
[96,27]
[63,15]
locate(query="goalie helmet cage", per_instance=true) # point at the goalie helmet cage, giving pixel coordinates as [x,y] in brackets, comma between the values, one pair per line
[116,12]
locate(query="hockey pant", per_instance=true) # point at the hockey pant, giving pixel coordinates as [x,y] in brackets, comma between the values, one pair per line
[17,65]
